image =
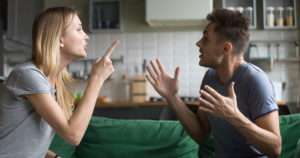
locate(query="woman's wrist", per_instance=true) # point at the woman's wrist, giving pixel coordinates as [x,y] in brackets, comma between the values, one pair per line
[57,156]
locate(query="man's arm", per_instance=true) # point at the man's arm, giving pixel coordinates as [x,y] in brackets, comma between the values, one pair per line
[167,87]
[197,126]
[264,133]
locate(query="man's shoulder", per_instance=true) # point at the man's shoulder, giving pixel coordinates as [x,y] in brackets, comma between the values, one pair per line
[254,73]
[210,72]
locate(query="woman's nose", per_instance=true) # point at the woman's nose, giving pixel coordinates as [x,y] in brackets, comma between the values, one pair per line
[86,36]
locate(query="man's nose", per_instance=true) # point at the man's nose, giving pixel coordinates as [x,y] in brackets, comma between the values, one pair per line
[198,43]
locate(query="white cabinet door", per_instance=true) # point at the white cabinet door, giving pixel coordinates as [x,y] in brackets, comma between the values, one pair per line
[177,12]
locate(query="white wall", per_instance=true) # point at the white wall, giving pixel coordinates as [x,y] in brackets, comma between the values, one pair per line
[178,48]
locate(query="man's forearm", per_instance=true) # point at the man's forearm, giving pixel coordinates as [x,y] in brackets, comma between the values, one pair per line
[188,119]
[266,141]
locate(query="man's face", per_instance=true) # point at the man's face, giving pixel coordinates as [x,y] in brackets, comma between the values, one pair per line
[211,49]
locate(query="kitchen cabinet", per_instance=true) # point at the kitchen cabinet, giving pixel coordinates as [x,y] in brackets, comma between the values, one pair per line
[247,7]
[177,12]
[279,14]
[266,53]
[21,15]
[276,14]
[104,15]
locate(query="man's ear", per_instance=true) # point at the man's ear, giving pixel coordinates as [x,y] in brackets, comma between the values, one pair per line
[228,47]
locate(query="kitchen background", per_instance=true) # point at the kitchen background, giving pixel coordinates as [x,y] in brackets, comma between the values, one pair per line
[273,49]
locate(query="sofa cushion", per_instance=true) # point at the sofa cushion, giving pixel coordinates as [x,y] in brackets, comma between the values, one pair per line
[290,134]
[114,138]
[297,151]
[62,148]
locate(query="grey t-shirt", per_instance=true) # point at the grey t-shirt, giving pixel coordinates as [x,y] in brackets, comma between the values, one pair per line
[23,133]
[255,98]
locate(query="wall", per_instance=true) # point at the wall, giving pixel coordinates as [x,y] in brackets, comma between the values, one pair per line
[173,46]
[179,49]
[132,14]
[176,46]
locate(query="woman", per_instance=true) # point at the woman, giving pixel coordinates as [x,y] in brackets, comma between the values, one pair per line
[35,100]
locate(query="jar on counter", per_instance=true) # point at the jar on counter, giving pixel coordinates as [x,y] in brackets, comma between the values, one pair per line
[289,16]
[239,9]
[230,8]
[270,16]
[249,14]
[279,16]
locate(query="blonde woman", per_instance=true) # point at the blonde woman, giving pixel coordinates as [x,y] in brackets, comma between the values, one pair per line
[35,100]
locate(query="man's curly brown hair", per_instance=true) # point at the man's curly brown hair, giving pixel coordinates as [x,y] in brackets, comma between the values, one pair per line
[232,26]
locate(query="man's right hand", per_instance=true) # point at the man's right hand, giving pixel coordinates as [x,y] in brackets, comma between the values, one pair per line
[162,82]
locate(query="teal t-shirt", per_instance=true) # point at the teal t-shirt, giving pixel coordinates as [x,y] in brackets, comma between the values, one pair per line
[23,133]
[255,98]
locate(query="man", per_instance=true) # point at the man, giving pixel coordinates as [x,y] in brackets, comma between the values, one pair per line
[236,102]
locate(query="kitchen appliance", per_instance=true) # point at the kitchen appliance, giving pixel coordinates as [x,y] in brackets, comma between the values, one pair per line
[138,89]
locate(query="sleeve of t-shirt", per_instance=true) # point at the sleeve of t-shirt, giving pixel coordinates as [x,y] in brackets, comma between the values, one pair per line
[27,81]
[261,96]
[205,79]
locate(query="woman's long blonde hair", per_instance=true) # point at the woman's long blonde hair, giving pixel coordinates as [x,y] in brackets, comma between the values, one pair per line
[47,30]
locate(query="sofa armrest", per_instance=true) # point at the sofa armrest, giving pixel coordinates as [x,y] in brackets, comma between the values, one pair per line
[290,134]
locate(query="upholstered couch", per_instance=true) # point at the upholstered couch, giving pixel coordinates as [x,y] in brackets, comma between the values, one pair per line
[114,138]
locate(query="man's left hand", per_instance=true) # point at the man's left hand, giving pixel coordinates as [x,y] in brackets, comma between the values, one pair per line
[218,105]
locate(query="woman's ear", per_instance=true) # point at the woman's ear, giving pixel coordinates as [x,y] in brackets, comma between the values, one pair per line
[61,42]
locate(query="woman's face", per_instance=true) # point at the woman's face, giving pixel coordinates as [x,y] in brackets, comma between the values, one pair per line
[73,42]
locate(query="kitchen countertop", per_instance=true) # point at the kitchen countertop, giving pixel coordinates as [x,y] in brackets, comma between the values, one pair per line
[120,104]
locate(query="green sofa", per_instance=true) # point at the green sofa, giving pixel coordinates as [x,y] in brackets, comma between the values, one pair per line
[114,138]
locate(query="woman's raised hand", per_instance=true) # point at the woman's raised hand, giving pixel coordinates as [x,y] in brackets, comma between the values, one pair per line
[103,66]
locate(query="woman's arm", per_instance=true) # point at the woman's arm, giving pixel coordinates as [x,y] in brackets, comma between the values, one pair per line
[51,154]
[72,130]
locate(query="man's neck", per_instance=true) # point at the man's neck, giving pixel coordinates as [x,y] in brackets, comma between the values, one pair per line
[226,71]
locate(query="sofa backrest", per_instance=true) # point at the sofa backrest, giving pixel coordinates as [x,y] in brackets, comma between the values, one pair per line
[290,134]
[114,138]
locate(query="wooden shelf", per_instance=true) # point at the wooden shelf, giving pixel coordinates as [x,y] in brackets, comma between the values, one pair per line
[288,60]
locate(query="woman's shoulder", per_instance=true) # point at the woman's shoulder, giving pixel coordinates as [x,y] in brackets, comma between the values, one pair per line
[26,71]
[26,79]
[27,68]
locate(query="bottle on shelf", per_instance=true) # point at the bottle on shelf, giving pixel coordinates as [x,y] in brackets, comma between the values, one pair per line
[249,13]
[279,16]
[239,9]
[289,16]
[270,17]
